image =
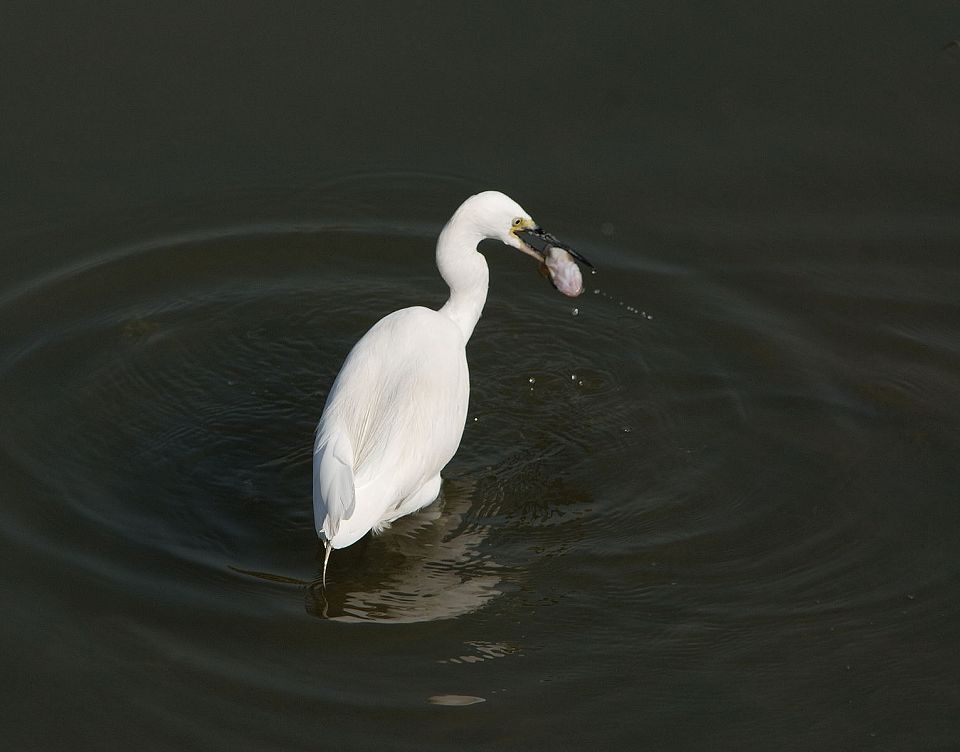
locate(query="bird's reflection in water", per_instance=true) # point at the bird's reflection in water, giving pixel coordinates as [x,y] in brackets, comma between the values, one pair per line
[428,566]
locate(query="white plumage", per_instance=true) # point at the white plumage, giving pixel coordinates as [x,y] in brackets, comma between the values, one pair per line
[393,420]
[396,411]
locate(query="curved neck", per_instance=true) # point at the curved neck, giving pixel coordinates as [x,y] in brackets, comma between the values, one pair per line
[465,270]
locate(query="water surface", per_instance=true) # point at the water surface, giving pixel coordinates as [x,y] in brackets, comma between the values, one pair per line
[711,503]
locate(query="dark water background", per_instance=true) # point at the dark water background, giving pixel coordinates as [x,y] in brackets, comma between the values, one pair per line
[718,508]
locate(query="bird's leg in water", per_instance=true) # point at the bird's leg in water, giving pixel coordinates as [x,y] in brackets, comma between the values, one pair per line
[326,558]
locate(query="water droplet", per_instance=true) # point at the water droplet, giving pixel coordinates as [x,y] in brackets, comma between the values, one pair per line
[596,290]
[575,311]
[475,420]
[593,271]
[626,429]
[532,380]
[573,377]
[580,383]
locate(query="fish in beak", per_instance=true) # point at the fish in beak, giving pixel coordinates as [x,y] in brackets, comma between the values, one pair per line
[558,262]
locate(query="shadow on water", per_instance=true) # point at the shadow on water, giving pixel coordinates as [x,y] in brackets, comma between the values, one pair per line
[426,567]
[432,565]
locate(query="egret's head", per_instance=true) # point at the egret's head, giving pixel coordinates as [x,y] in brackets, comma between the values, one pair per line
[495,215]
[498,216]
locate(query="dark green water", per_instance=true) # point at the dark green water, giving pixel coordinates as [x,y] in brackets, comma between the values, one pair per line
[716,508]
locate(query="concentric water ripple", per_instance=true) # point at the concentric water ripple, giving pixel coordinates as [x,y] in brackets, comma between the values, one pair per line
[629,445]
[175,409]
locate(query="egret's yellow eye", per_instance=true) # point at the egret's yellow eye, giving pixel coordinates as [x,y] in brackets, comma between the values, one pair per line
[517,222]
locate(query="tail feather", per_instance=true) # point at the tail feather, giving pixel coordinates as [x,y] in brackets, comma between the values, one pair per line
[334,494]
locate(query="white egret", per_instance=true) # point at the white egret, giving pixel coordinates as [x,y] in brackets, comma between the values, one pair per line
[395,414]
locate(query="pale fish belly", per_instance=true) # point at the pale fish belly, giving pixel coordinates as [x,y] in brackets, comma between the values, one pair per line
[563,272]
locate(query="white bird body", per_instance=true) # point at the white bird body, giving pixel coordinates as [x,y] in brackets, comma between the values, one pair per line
[405,379]
[395,414]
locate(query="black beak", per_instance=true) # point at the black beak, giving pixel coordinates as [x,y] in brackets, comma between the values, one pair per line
[542,241]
